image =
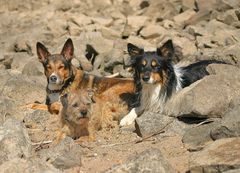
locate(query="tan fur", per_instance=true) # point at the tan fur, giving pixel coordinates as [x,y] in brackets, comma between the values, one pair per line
[99,115]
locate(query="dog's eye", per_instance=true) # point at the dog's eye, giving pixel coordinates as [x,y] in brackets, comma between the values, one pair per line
[154,64]
[49,67]
[61,67]
[75,105]
[144,63]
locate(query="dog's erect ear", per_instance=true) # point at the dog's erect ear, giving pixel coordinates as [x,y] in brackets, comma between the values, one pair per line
[167,50]
[42,52]
[134,50]
[64,100]
[68,50]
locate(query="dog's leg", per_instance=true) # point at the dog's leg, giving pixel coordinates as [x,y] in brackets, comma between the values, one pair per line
[54,108]
[36,106]
[129,118]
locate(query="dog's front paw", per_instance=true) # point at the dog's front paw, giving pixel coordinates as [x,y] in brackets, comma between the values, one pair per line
[129,118]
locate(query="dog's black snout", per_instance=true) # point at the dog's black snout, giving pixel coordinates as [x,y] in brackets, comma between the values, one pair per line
[53,78]
[146,77]
[83,113]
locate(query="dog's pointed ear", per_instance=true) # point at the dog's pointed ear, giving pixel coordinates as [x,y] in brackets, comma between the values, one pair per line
[64,100]
[167,50]
[134,50]
[68,50]
[42,52]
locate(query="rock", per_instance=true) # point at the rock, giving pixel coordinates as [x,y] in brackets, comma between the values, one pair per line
[227,127]
[150,123]
[230,124]
[188,4]
[5,76]
[168,24]
[81,20]
[24,90]
[64,155]
[140,42]
[37,122]
[8,109]
[183,17]
[33,68]
[232,171]
[150,160]
[136,22]
[110,33]
[115,56]
[14,141]
[185,45]
[19,60]
[228,17]
[23,46]
[153,31]
[28,166]
[197,137]
[219,156]
[209,97]
[37,117]
[232,53]
[102,21]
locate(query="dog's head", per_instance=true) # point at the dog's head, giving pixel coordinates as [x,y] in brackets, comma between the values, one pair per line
[76,106]
[151,67]
[57,67]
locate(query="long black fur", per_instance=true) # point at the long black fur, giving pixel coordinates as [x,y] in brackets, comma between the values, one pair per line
[189,74]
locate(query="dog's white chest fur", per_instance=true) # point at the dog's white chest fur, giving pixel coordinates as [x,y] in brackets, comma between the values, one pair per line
[151,99]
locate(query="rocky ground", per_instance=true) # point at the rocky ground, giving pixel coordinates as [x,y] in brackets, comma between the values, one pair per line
[200,127]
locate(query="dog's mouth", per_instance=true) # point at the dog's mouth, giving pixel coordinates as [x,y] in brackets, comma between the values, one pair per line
[82,120]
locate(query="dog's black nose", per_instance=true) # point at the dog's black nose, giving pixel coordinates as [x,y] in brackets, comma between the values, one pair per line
[83,113]
[146,76]
[53,78]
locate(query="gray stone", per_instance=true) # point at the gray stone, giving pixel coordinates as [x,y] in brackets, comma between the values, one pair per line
[65,155]
[8,109]
[33,68]
[149,123]
[230,124]
[197,137]
[36,117]
[152,31]
[14,141]
[232,171]
[188,4]
[136,22]
[19,60]
[150,160]
[219,156]
[27,166]
[183,17]
[209,97]
[24,90]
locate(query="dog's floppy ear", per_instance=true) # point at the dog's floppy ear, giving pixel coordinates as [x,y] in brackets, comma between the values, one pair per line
[64,100]
[68,50]
[167,50]
[134,50]
[42,52]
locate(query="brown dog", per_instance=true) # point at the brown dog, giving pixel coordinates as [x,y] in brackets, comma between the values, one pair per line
[63,77]
[81,116]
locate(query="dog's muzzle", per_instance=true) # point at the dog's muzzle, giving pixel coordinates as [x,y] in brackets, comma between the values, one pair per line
[53,78]
[146,76]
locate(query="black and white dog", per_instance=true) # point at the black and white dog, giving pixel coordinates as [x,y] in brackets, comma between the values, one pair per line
[157,79]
